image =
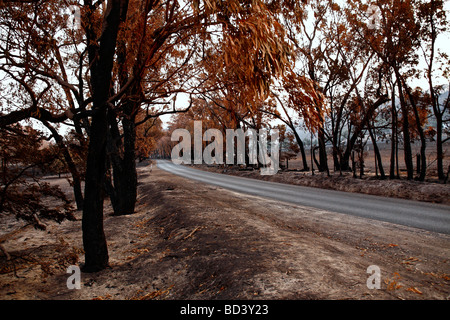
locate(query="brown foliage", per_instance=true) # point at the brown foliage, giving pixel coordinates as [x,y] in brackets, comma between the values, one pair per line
[23,193]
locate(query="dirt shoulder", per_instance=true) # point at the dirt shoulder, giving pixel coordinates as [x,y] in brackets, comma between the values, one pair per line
[195,241]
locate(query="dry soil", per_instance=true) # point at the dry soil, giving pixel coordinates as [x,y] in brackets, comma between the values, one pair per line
[195,241]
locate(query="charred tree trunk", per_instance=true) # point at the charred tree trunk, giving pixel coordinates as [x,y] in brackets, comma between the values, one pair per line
[101,59]
[405,129]
[78,194]
[358,129]
[313,154]
[94,240]
[394,139]
[376,150]
[124,171]
[423,143]
[323,161]
[439,149]
[336,163]
[122,151]
[302,150]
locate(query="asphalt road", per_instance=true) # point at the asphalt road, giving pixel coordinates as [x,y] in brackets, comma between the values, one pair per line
[427,216]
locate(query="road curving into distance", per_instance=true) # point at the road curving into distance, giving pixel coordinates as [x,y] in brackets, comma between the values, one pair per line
[422,215]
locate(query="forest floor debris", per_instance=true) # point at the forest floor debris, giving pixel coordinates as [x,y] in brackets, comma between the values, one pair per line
[196,241]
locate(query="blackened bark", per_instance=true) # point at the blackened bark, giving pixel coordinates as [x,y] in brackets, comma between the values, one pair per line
[70,164]
[406,133]
[113,145]
[123,193]
[302,150]
[376,150]
[394,139]
[323,161]
[313,154]
[122,151]
[94,240]
[127,189]
[358,129]
[423,157]
[439,149]
[101,60]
